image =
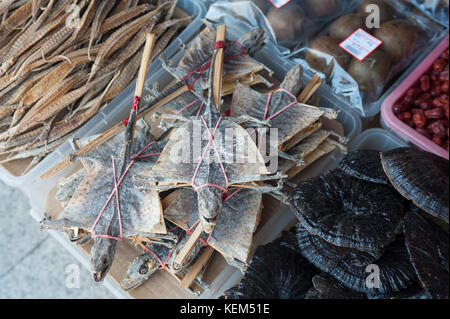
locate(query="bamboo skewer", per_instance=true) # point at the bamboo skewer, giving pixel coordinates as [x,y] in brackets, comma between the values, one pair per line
[218,66]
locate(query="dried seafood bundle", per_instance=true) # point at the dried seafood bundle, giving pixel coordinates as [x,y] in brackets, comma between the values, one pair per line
[301,136]
[213,203]
[354,221]
[108,205]
[91,204]
[57,69]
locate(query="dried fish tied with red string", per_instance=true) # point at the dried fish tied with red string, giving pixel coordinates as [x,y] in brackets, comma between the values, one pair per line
[209,174]
[281,107]
[233,234]
[141,212]
[193,66]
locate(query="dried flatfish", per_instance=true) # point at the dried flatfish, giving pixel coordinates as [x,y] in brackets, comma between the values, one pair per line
[421,177]
[347,211]
[281,107]
[366,165]
[141,211]
[276,272]
[428,249]
[349,266]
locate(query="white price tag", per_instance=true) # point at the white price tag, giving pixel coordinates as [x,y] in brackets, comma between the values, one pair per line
[360,44]
[279,3]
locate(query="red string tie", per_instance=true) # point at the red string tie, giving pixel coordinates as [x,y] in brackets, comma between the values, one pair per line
[136,105]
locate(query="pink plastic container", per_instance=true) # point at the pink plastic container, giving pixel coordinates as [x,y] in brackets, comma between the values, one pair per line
[398,126]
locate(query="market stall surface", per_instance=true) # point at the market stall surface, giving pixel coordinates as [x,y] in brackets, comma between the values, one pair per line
[32,263]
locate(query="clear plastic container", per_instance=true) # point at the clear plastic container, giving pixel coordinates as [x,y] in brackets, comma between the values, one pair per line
[391,122]
[376,139]
[39,190]
[111,114]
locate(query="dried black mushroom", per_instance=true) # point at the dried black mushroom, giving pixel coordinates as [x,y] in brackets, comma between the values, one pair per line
[366,165]
[421,177]
[413,292]
[428,248]
[326,287]
[347,211]
[353,268]
[276,271]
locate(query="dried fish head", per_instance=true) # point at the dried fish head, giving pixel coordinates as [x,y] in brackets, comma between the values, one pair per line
[209,207]
[102,257]
[139,271]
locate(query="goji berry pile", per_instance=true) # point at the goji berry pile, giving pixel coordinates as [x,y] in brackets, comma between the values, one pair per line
[425,106]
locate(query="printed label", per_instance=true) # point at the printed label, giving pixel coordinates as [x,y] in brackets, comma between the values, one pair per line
[360,44]
[279,3]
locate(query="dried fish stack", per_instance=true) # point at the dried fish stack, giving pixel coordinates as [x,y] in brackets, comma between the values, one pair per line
[62,61]
[214,208]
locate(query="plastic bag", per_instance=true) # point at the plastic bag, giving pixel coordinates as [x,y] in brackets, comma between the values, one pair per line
[360,54]
[289,26]
[435,9]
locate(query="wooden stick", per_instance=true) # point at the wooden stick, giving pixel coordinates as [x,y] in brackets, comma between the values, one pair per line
[148,49]
[187,281]
[140,83]
[218,67]
[189,246]
[310,89]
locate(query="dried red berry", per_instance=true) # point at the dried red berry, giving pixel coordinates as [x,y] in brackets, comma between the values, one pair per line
[419,119]
[435,113]
[405,116]
[425,83]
